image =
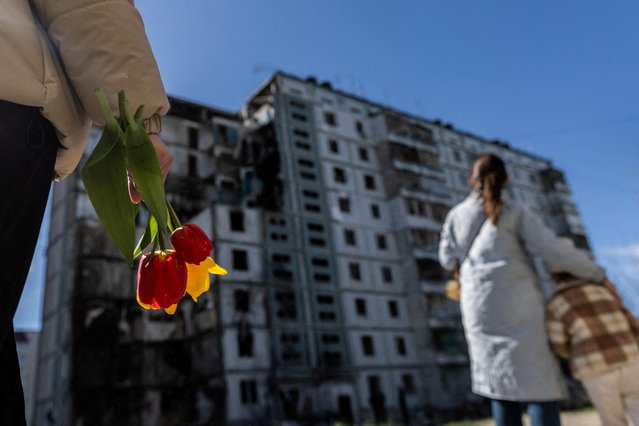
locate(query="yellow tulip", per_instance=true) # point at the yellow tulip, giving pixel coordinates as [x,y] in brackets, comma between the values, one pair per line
[198,280]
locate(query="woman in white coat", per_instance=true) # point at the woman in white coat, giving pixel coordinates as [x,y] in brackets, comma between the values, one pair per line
[490,240]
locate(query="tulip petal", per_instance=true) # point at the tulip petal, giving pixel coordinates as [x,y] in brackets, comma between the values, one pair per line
[144,305]
[191,243]
[218,270]
[198,280]
[171,309]
[161,280]
[214,268]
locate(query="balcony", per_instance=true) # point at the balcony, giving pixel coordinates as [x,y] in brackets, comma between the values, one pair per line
[425,252]
[575,225]
[451,359]
[426,190]
[429,170]
[452,321]
[415,221]
[409,132]
[432,287]
[406,140]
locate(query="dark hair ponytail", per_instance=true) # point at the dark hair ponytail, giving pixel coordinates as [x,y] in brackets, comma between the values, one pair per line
[490,172]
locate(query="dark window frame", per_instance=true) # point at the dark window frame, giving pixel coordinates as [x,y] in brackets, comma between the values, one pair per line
[240,260]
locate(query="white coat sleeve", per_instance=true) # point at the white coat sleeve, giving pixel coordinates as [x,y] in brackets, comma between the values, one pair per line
[558,254]
[448,248]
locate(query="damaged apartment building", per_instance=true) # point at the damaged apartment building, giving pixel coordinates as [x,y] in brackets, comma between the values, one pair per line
[326,209]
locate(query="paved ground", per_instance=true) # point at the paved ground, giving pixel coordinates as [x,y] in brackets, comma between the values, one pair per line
[570,418]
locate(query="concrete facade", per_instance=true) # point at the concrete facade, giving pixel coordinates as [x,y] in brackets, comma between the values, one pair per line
[27,349]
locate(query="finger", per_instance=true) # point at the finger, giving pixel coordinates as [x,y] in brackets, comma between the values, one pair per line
[165,156]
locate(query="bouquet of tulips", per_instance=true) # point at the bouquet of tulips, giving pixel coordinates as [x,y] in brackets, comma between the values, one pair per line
[165,274]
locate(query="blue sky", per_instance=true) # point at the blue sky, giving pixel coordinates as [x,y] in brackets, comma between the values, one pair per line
[559,79]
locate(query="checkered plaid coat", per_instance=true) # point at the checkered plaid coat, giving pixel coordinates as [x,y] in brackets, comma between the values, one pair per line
[588,326]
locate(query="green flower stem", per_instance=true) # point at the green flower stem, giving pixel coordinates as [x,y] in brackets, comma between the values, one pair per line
[173,215]
[153,250]
[161,240]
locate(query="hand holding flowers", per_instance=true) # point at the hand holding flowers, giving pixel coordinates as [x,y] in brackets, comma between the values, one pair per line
[125,151]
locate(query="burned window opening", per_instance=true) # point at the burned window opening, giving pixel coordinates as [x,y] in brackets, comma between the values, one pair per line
[310,207]
[375,211]
[330,118]
[318,242]
[333,146]
[318,261]
[363,154]
[280,258]
[354,271]
[303,146]
[283,274]
[315,227]
[278,237]
[349,237]
[237,221]
[327,316]
[299,117]
[408,383]
[248,392]
[381,242]
[400,345]
[240,260]
[297,104]
[192,166]
[339,175]
[306,163]
[369,182]
[242,299]
[393,308]
[325,300]
[308,176]
[193,137]
[323,278]
[367,346]
[286,305]
[387,274]
[300,133]
[310,194]
[245,340]
[360,307]
[430,270]
[331,358]
[344,204]
[330,338]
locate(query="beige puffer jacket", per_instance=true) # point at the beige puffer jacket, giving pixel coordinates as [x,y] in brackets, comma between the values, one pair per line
[85,44]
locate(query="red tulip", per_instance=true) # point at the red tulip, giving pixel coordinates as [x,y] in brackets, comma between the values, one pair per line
[161,280]
[191,244]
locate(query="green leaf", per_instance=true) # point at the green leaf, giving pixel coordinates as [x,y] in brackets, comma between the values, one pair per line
[138,113]
[145,168]
[105,181]
[149,235]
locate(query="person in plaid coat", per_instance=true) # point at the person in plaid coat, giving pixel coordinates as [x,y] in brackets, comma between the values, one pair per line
[588,325]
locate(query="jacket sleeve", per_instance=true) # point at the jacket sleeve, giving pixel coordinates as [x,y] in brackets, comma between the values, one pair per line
[557,336]
[102,44]
[558,254]
[448,248]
